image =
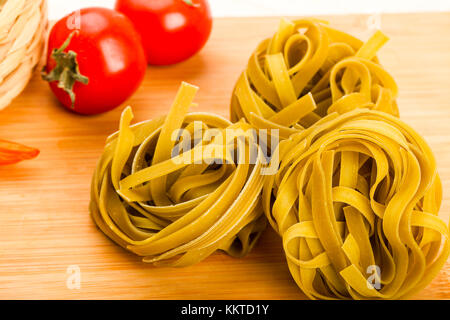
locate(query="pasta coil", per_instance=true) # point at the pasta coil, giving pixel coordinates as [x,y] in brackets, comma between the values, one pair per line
[176,210]
[356,202]
[308,70]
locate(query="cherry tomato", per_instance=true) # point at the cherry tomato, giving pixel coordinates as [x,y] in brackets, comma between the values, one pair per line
[95,60]
[11,152]
[171,30]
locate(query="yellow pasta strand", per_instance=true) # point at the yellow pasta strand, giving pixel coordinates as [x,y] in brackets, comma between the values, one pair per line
[309,57]
[177,209]
[356,202]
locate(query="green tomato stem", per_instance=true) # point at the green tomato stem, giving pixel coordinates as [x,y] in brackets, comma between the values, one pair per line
[67,71]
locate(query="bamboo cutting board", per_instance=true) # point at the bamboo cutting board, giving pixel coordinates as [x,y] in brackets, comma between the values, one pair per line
[45,226]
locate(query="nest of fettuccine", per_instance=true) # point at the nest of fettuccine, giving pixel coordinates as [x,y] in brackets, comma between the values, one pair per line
[308,70]
[356,202]
[177,208]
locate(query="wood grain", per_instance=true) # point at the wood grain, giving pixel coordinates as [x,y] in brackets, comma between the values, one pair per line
[44,221]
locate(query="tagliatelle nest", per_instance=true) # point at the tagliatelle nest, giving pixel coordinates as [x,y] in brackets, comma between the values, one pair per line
[23,26]
[174,209]
[308,70]
[356,202]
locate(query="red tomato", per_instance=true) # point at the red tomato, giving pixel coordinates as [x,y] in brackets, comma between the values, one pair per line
[171,30]
[104,60]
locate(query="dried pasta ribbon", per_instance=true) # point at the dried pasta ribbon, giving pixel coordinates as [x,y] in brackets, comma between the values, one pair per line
[357,193]
[311,70]
[176,210]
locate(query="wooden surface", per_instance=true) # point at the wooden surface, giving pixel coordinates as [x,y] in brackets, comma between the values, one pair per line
[44,220]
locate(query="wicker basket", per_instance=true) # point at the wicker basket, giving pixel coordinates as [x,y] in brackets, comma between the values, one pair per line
[23,26]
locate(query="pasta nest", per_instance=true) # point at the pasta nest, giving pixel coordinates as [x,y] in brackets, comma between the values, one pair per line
[356,201]
[308,70]
[177,209]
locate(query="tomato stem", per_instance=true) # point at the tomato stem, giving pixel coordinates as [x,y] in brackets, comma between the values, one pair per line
[190,3]
[67,70]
